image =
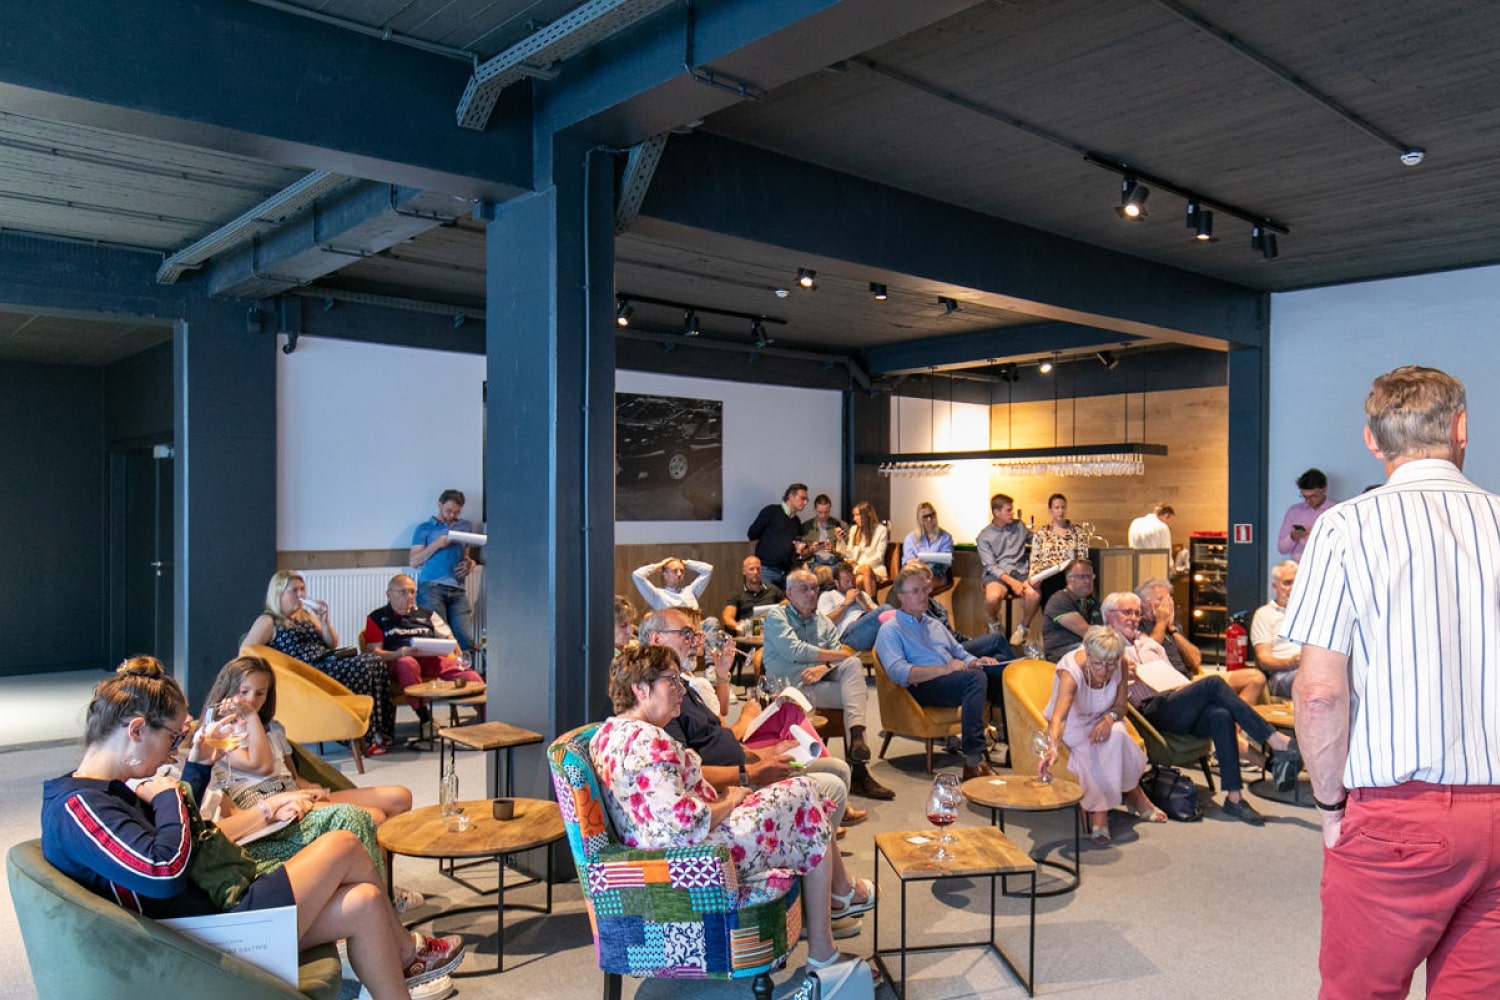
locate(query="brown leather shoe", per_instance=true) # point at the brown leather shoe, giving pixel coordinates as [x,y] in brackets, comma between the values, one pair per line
[980,770]
[854,817]
[867,786]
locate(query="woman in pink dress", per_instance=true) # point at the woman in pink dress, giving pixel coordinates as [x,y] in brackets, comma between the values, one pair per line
[657,796]
[1086,713]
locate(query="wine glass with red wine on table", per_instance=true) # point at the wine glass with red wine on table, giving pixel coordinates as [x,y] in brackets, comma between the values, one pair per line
[942,811]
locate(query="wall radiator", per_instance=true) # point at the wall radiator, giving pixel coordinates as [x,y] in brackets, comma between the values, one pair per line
[353,593]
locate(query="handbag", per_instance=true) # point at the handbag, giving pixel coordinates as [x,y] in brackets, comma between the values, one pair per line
[218,865]
[1173,793]
[850,980]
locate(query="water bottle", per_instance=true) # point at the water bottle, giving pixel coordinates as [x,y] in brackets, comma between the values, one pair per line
[448,791]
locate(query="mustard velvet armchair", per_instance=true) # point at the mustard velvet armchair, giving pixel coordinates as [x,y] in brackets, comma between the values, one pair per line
[900,715]
[313,707]
[670,914]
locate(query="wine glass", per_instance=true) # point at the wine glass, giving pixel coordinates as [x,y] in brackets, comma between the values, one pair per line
[1040,744]
[942,811]
[224,741]
[764,692]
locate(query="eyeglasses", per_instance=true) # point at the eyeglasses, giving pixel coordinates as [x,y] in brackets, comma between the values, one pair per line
[687,633]
[674,680]
[177,738]
[926,517]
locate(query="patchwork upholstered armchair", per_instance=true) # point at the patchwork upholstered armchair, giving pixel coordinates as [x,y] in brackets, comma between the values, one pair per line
[674,914]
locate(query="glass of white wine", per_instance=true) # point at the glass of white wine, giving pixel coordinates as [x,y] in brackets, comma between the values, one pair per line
[219,738]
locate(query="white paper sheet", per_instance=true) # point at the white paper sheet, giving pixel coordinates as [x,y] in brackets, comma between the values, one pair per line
[264,938]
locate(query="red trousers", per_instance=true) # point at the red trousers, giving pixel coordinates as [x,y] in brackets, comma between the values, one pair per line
[410,670]
[1415,876]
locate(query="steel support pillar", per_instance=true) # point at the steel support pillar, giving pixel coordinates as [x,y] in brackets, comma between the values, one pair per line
[1249,439]
[224,480]
[549,453]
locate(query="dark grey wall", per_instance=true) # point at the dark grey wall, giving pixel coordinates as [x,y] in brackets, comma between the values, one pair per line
[52,504]
[138,397]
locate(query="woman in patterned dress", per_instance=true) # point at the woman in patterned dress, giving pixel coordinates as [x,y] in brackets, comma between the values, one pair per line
[292,625]
[657,796]
[1056,544]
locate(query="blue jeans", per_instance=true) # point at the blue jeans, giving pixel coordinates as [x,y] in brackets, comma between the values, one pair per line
[1279,682]
[453,604]
[770,574]
[861,635]
[967,690]
[1209,707]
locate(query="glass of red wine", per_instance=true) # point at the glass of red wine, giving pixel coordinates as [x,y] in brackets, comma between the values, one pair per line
[942,810]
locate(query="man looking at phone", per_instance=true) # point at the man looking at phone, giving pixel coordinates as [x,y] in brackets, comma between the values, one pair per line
[1313,485]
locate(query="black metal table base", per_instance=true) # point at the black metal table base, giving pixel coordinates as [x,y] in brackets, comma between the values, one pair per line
[1076,870]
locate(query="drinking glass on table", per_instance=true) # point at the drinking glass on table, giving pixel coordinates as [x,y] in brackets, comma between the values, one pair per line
[942,810]
[1041,744]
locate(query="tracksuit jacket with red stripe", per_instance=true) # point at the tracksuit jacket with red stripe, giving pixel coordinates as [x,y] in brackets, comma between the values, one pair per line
[132,852]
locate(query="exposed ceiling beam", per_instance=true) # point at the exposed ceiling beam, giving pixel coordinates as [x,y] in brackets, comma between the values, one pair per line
[965,350]
[353,223]
[239,78]
[640,167]
[718,186]
[635,84]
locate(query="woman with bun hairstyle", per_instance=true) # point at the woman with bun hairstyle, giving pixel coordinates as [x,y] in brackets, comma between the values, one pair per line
[123,832]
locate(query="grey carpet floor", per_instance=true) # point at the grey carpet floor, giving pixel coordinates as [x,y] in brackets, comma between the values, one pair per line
[1209,909]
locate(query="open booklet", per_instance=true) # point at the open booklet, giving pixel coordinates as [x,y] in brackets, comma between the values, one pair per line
[809,748]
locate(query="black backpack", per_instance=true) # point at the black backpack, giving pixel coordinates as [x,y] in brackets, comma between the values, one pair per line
[1173,793]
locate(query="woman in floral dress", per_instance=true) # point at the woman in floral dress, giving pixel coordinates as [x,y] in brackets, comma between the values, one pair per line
[1057,544]
[301,630]
[658,798]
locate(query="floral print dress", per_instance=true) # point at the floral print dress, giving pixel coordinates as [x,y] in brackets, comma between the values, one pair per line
[658,798]
[364,673]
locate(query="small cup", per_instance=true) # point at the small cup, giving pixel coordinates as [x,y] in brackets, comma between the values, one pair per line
[460,682]
[457,823]
[503,809]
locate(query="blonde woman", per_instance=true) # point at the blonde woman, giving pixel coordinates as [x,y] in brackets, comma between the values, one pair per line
[930,539]
[293,625]
[865,548]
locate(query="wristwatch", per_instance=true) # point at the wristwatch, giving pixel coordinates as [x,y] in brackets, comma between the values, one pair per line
[1113,715]
[744,777]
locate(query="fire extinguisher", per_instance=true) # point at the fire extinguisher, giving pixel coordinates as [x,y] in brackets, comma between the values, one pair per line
[1236,643]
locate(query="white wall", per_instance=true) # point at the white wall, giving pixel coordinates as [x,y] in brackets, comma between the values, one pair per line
[773,436]
[962,498]
[368,436]
[1328,344]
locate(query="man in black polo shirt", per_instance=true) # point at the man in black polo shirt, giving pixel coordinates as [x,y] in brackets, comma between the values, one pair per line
[775,532]
[754,592]
[1070,611]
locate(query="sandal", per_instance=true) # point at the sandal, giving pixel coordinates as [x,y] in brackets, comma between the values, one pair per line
[1099,836]
[1152,815]
[845,906]
[838,958]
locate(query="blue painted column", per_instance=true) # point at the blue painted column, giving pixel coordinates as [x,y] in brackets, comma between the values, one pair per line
[224,478]
[549,478]
[1249,408]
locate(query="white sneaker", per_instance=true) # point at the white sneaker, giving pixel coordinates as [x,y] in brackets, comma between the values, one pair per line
[405,899]
[995,628]
[433,989]
[1018,637]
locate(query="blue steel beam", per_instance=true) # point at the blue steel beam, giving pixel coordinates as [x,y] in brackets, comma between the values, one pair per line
[634,85]
[1011,343]
[240,78]
[718,186]
[354,222]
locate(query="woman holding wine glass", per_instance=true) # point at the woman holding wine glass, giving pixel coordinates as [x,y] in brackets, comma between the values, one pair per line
[125,833]
[865,548]
[1085,713]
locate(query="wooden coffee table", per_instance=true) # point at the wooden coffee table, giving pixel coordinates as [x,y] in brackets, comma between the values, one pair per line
[981,852]
[438,690]
[422,833]
[1027,795]
[491,737]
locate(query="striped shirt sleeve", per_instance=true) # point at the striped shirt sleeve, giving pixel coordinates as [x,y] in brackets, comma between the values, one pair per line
[135,856]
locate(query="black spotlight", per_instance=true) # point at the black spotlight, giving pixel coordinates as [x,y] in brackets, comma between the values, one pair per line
[807,278]
[623,311]
[950,306]
[1263,240]
[1133,195]
[1108,360]
[878,290]
[691,318]
[1201,221]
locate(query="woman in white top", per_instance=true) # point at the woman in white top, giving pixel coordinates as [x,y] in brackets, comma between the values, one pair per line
[865,548]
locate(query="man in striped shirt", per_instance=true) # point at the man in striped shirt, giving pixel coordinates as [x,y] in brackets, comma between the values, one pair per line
[1398,706]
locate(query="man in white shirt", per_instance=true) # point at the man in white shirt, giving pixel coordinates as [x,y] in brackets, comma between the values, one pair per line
[1277,658]
[1205,707]
[1152,531]
[671,593]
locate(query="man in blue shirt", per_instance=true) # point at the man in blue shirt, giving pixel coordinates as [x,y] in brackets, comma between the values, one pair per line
[442,565]
[921,655]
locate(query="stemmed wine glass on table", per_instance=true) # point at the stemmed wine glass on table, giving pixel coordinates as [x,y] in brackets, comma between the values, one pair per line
[942,811]
[1041,744]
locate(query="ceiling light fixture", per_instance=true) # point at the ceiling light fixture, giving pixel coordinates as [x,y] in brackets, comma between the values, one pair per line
[691,319]
[1264,240]
[780,293]
[1201,221]
[623,311]
[950,306]
[1133,195]
[807,278]
[878,290]
[1047,364]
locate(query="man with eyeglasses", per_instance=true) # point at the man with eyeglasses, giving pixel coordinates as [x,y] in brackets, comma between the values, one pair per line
[1070,612]
[802,648]
[1204,707]
[389,632]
